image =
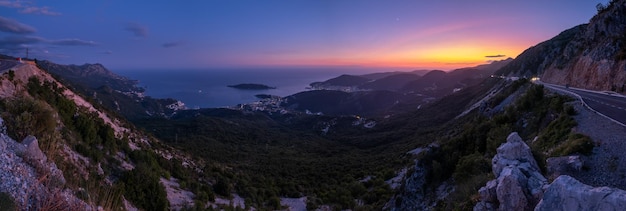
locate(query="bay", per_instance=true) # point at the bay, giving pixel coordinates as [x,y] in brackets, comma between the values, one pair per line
[207,88]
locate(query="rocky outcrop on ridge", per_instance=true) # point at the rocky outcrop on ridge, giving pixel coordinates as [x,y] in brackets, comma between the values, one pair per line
[519,184]
[566,165]
[567,193]
[590,56]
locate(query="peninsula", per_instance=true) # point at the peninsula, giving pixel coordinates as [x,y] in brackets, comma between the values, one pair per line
[251,86]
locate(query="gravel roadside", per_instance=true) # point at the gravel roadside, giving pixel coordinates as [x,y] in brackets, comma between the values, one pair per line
[607,165]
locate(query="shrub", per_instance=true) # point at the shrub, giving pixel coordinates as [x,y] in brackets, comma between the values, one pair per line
[28,117]
[576,143]
[143,188]
[473,164]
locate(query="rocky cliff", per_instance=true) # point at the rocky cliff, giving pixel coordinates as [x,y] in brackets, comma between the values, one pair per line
[33,181]
[519,185]
[567,193]
[590,56]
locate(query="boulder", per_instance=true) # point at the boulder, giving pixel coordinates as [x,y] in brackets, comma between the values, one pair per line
[513,152]
[519,184]
[558,166]
[33,152]
[488,192]
[567,193]
[511,190]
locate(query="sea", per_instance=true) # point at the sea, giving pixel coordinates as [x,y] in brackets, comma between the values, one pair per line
[208,88]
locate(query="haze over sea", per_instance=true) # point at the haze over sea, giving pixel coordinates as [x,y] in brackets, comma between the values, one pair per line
[208,88]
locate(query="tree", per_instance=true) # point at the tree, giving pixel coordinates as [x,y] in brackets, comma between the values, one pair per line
[142,187]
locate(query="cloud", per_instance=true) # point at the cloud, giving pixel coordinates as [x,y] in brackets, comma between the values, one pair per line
[17,44]
[137,29]
[39,11]
[10,4]
[495,56]
[12,26]
[14,44]
[171,44]
[22,40]
[73,42]
[28,8]
[37,45]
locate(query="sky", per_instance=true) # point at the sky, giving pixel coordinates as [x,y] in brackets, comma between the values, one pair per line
[401,34]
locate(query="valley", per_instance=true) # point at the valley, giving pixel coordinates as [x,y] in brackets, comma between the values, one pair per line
[486,137]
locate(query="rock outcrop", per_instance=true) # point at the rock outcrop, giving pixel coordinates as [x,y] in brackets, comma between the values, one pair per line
[415,193]
[519,184]
[590,56]
[33,152]
[567,193]
[30,179]
[565,165]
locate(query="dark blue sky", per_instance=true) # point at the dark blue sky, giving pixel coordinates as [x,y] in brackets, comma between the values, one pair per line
[229,33]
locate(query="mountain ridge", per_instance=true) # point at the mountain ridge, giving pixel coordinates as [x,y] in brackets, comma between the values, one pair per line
[590,56]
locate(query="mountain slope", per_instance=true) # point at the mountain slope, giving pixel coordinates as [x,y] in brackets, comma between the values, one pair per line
[98,154]
[343,80]
[590,56]
[115,92]
[391,83]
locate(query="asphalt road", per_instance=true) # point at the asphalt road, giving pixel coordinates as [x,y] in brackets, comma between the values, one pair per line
[7,64]
[611,105]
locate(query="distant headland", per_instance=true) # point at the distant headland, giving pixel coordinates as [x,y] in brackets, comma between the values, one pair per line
[251,86]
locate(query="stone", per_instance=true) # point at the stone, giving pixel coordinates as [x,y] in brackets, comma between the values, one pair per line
[513,152]
[33,152]
[519,184]
[567,193]
[3,144]
[488,192]
[484,206]
[558,166]
[511,191]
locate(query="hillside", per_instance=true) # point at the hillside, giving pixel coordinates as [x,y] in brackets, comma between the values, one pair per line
[458,140]
[115,92]
[227,158]
[99,156]
[387,93]
[391,83]
[590,56]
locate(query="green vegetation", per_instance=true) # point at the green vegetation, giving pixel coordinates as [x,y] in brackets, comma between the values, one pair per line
[29,117]
[263,157]
[89,136]
[142,187]
[262,160]
[574,144]
[466,153]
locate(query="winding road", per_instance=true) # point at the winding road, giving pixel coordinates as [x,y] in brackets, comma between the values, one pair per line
[608,104]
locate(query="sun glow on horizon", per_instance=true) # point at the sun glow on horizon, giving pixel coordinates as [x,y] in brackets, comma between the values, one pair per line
[446,57]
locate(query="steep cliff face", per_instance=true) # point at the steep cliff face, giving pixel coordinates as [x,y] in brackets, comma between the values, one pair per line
[590,56]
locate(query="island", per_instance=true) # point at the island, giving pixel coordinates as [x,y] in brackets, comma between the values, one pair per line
[251,86]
